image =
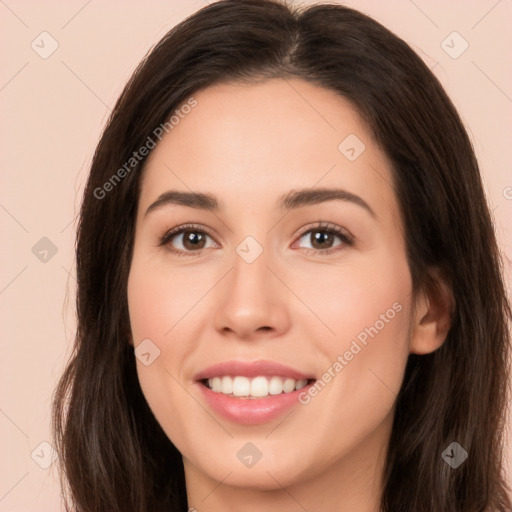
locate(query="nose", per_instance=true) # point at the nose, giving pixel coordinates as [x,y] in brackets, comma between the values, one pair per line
[252,300]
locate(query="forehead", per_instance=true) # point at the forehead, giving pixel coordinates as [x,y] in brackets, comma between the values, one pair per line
[277,135]
[272,118]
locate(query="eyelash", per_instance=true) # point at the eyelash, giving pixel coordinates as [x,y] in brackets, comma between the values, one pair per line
[320,227]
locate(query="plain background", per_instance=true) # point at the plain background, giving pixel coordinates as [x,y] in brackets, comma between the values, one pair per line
[52,113]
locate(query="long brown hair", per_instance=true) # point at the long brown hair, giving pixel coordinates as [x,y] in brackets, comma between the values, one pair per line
[115,457]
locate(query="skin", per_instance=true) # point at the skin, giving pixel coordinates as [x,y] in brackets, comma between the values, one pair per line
[248,145]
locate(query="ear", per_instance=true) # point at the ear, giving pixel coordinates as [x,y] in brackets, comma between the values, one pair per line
[432,317]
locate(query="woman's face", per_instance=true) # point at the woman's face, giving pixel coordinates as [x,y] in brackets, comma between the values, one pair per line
[302,332]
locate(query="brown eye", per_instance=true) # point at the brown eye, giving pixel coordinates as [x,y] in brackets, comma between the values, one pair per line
[322,239]
[193,240]
[185,239]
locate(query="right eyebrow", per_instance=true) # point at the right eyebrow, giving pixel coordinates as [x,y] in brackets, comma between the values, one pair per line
[191,199]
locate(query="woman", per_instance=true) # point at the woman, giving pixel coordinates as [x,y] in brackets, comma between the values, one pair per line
[219,363]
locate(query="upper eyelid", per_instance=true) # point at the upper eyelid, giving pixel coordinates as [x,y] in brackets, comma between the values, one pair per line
[323,225]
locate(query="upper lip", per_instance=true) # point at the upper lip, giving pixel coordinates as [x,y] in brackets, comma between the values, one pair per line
[251,369]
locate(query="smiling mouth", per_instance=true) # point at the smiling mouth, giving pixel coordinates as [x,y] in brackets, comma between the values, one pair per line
[261,386]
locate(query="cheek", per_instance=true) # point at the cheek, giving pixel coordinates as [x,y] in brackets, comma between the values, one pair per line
[367,307]
[155,307]
[158,298]
[367,297]
[370,314]
[162,301]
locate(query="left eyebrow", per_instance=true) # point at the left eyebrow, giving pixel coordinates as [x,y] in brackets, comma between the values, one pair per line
[308,196]
[292,200]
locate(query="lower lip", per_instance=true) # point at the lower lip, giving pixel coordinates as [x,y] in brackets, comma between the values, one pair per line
[251,411]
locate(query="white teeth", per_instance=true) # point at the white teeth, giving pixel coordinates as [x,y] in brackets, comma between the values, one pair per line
[226,385]
[241,386]
[256,387]
[259,386]
[289,385]
[300,384]
[215,384]
[276,386]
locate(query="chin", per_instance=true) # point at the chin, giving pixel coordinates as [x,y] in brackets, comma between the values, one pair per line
[263,476]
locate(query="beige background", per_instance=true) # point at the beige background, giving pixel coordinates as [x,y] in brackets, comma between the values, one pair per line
[52,112]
